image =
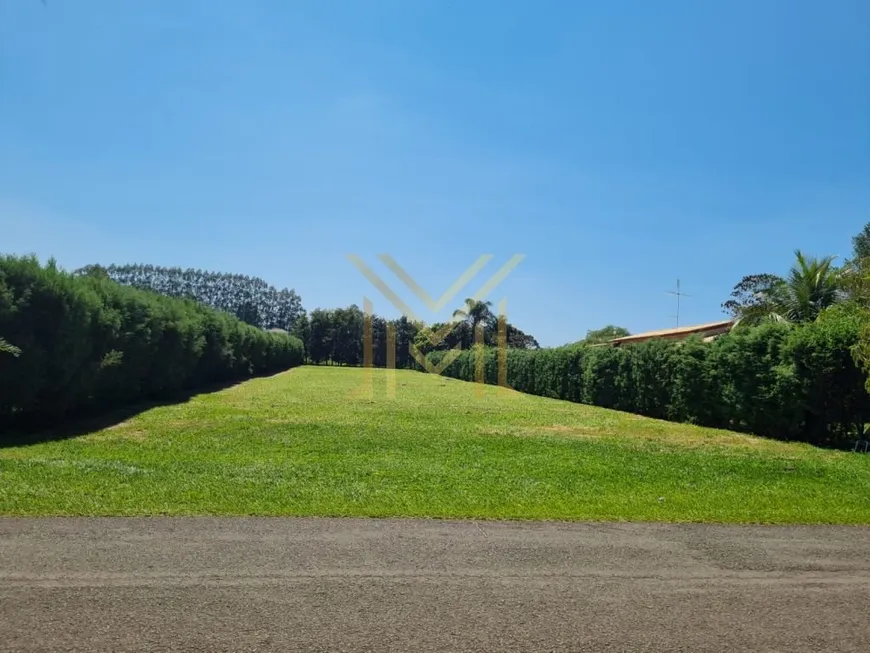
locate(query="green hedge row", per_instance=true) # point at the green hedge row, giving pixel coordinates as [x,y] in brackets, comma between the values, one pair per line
[789,383]
[87,342]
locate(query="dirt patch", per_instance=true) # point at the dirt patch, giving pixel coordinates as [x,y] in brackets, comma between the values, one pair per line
[561,428]
[120,425]
[135,434]
[675,438]
[114,433]
[694,439]
[532,431]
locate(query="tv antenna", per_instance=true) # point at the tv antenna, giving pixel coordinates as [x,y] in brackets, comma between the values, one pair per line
[678,294]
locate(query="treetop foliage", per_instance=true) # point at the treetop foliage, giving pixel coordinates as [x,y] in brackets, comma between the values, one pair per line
[812,285]
[861,243]
[337,336]
[250,299]
[604,334]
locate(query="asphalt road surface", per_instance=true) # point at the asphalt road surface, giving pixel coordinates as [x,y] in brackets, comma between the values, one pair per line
[203,584]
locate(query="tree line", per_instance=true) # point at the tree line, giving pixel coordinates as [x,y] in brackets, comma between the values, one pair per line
[328,336]
[338,336]
[250,299]
[331,336]
[811,286]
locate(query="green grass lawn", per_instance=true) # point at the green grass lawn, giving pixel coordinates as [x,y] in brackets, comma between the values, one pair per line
[308,443]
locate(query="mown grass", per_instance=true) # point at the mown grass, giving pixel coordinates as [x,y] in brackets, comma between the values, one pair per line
[307,443]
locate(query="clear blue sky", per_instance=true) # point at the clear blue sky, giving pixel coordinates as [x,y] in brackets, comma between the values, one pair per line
[619,145]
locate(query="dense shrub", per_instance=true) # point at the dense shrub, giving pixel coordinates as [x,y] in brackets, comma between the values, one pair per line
[695,389]
[775,380]
[87,342]
[831,386]
[759,392]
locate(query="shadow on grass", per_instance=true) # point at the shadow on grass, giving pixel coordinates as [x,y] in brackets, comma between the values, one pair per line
[78,424]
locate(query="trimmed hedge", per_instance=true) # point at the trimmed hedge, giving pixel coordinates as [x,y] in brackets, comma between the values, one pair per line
[88,343]
[789,383]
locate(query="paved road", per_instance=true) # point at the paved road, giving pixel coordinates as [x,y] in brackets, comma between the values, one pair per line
[205,584]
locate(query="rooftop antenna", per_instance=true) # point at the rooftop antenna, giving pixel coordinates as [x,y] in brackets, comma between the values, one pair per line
[678,294]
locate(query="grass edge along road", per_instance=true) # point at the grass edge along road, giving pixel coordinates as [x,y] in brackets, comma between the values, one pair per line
[307,443]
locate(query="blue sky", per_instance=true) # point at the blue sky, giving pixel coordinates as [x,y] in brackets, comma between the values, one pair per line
[618,145]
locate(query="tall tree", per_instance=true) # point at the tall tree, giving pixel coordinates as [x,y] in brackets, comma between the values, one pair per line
[302,330]
[516,339]
[861,244]
[406,331]
[474,312]
[321,335]
[855,272]
[750,293]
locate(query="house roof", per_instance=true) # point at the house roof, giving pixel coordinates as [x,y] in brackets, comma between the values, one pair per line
[707,330]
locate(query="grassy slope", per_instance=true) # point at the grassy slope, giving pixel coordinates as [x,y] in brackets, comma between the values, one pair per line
[300,443]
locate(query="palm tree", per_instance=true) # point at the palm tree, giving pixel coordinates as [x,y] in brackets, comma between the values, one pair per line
[474,311]
[812,285]
[6,348]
